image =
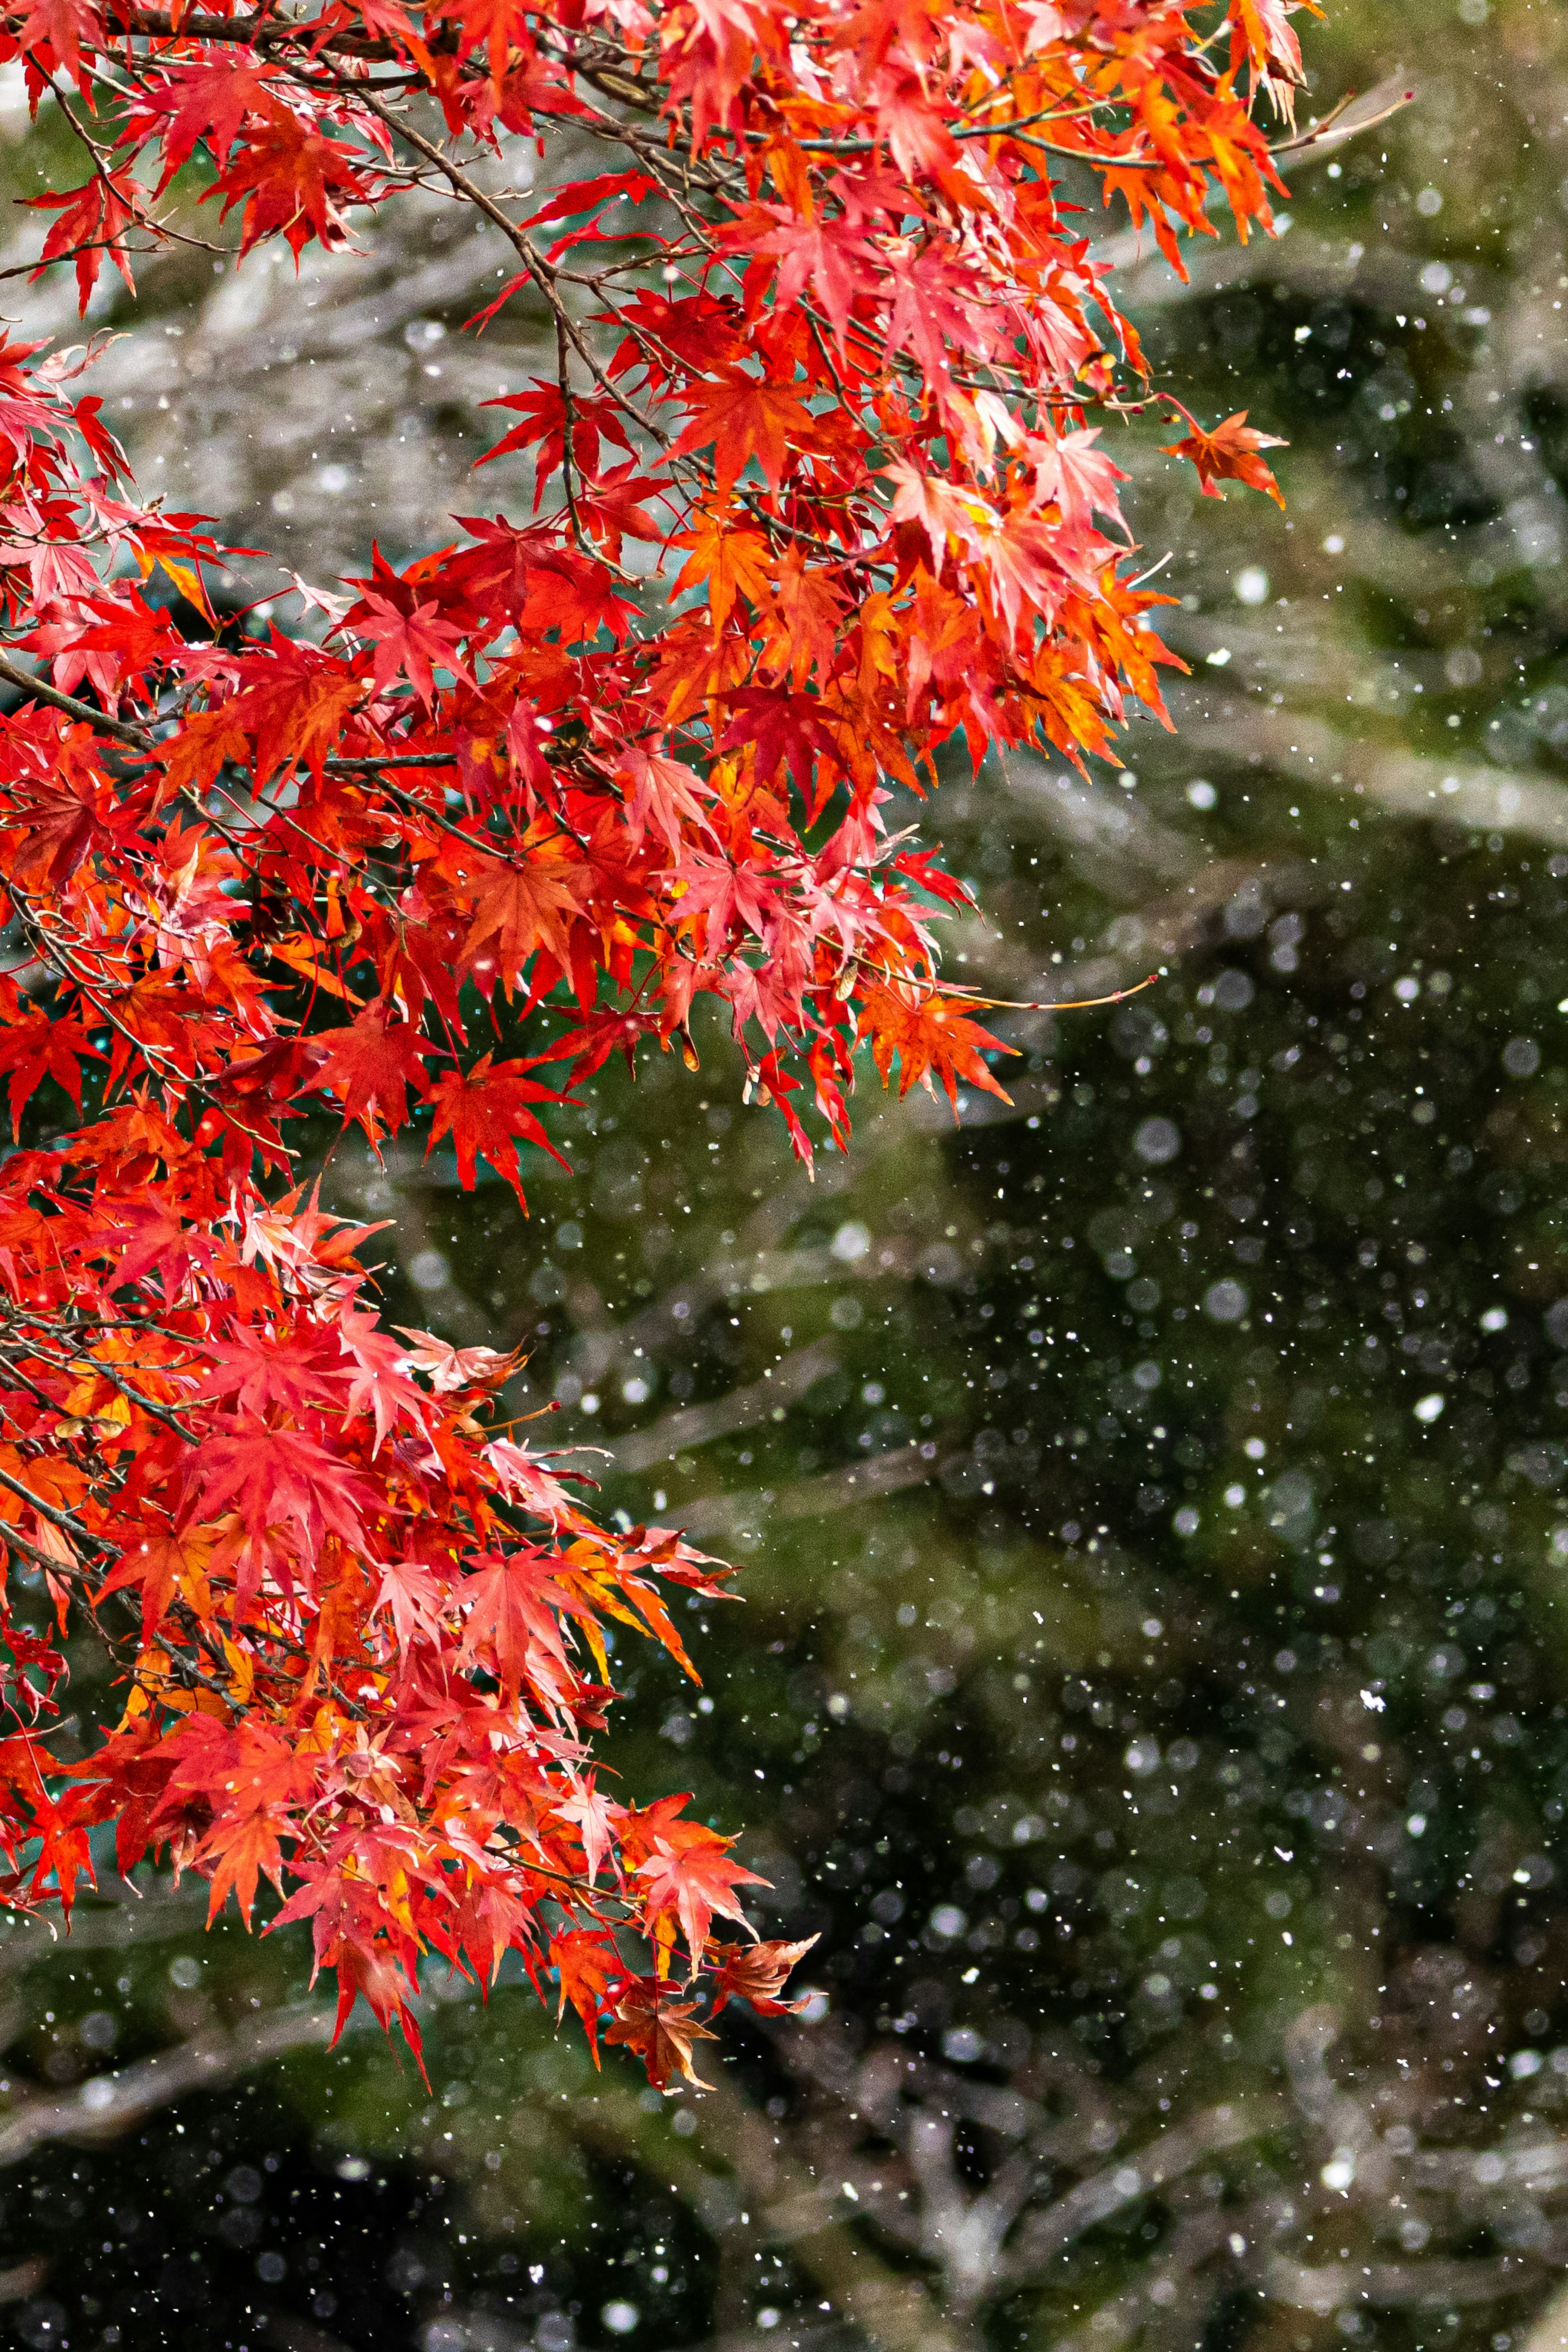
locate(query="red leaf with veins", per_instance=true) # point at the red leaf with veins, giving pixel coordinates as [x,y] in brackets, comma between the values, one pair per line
[416,1599]
[690,1875]
[291,1373]
[756,1973]
[486,1111]
[739,419]
[277,1476]
[512,1626]
[207,104]
[62,29]
[371,1064]
[1229,454]
[413,644]
[34,1048]
[92,222]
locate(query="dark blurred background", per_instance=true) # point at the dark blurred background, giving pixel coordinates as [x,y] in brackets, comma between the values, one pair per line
[1151,1498]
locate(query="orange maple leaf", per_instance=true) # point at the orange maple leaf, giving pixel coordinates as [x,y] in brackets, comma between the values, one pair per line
[690,1876]
[743,418]
[931,1037]
[733,563]
[243,1853]
[166,1564]
[522,908]
[192,758]
[587,1963]
[660,2030]
[1229,454]
[755,1973]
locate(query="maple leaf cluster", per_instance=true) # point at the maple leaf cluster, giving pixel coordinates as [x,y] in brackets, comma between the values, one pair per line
[815,490]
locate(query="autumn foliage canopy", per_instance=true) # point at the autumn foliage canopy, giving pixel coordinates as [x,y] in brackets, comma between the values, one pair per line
[813,487]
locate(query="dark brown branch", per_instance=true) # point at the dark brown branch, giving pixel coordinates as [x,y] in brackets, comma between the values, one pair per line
[136,736]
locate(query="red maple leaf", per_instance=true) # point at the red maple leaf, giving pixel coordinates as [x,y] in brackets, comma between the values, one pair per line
[62,27]
[371,1064]
[835,258]
[263,1369]
[38,1666]
[208,103]
[34,1048]
[549,421]
[415,1597]
[755,1973]
[376,1375]
[660,2029]
[611,510]
[522,908]
[1228,454]
[412,642]
[587,1962]
[485,1110]
[92,222]
[690,1874]
[788,730]
[292,179]
[589,1047]
[275,1476]
[587,195]
[662,792]
[63,818]
[930,1037]
[744,417]
[509,1616]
